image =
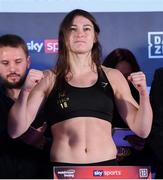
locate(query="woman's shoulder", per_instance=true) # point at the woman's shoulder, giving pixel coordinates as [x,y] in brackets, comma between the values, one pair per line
[49,79]
[116,79]
[111,72]
[49,73]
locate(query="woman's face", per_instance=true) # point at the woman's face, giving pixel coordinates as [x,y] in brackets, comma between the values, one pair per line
[81,35]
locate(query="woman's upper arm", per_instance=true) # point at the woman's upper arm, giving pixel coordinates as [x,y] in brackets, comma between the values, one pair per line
[125,103]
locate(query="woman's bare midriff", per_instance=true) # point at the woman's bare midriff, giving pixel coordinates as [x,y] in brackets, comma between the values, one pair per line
[82,140]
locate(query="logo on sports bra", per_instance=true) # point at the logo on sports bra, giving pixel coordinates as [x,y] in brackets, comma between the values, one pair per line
[104,84]
[63,100]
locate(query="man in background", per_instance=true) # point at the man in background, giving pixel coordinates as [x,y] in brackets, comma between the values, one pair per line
[23,157]
[155,139]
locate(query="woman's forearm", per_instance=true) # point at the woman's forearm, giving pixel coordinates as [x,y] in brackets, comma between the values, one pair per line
[18,115]
[144,116]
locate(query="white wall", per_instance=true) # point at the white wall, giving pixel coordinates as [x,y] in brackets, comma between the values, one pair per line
[89,5]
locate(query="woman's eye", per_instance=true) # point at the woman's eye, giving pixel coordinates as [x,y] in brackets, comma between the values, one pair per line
[86,29]
[72,29]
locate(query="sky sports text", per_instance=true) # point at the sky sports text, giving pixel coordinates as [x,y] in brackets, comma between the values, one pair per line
[49,46]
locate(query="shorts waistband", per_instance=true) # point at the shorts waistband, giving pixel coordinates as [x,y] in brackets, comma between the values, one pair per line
[112,162]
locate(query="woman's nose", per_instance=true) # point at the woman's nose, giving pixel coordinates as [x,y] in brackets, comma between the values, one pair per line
[80,33]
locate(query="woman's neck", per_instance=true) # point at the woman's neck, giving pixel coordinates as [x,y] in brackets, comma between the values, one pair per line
[81,63]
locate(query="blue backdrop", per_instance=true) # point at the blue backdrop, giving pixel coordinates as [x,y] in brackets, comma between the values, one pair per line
[141,32]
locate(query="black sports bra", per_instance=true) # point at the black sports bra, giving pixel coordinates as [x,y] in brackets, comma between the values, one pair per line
[66,101]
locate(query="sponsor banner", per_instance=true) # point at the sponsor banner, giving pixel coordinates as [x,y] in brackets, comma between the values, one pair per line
[102,172]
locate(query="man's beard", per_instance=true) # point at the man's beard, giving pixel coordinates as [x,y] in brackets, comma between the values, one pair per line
[15,85]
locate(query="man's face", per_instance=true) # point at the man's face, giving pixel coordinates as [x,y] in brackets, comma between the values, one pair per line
[13,66]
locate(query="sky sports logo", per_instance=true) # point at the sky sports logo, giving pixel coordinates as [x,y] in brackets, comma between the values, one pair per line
[107,173]
[48,46]
[98,173]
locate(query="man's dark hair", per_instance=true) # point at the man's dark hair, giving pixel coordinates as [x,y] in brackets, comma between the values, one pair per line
[14,41]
